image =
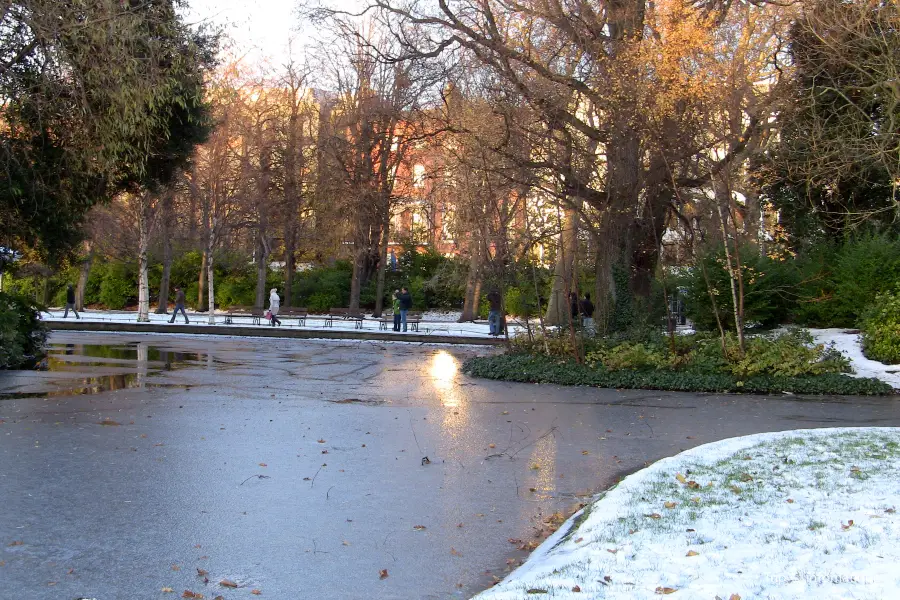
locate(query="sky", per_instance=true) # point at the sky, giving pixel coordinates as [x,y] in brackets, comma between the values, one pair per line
[259,28]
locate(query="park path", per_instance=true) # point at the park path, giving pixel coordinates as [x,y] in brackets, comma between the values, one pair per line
[295,467]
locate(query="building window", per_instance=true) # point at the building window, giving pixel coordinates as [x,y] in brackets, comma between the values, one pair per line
[418,176]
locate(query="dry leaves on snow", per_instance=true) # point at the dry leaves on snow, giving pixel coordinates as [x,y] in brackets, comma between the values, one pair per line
[665,590]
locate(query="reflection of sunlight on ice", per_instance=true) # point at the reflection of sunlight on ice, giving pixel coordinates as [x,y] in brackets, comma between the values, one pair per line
[444,369]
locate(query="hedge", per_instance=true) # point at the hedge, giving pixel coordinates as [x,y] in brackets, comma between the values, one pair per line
[544,369]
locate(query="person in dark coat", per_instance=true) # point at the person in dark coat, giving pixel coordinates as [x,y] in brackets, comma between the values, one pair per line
[494,312]
[405,299]
[70,302]
[179,305]
[573,308]
[587,313]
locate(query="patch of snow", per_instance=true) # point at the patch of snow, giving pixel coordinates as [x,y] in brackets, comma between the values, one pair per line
[851,345]
[313,322]
[794,514]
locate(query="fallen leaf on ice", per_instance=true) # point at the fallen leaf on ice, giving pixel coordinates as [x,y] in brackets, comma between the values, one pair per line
[228,583]
[692,553]
[453,552]
[321,441]
[176,568]
[16,543]
[383,574]
[167,590]
[190,594]
[202,573]
[255,592]
[419,527]
[579,540]
[492,445]
[576,589]
[585,452]
[263,465]
[108,422]
[670,504]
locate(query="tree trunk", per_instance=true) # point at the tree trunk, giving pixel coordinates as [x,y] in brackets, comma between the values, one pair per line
[201,284]
[382,261]
[84,274]
[209,273]
[262,258]
[143,283]
[162,307]
[563,270]
[289,264]
[473,287]
[355,280]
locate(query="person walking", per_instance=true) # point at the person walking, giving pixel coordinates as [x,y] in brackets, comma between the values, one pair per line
[179,305]
[70,302]
[494,302]
[274,305]
[587,312]
[396,307]
[405,299]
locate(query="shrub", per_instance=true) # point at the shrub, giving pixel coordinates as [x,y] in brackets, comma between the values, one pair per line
[770,290]
[840,283]
[881,329]
[118,288]
[629,355]
[323,287]
[22,335]
[788,354]
[547,369]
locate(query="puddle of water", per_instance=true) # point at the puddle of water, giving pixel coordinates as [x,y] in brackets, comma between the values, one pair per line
[142,361]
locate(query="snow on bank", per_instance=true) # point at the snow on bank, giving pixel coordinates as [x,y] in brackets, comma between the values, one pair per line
[430,323]
[795,514]
[851,345]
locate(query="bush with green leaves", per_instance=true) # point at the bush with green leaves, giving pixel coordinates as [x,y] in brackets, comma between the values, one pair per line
[562,371]
[22,335]
[770,290]
[787,354]
[629,355]
[118,288]
[881,329]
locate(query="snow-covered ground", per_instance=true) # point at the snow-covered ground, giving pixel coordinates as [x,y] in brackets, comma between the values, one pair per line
[437,323]
[850,344]
[796,514]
